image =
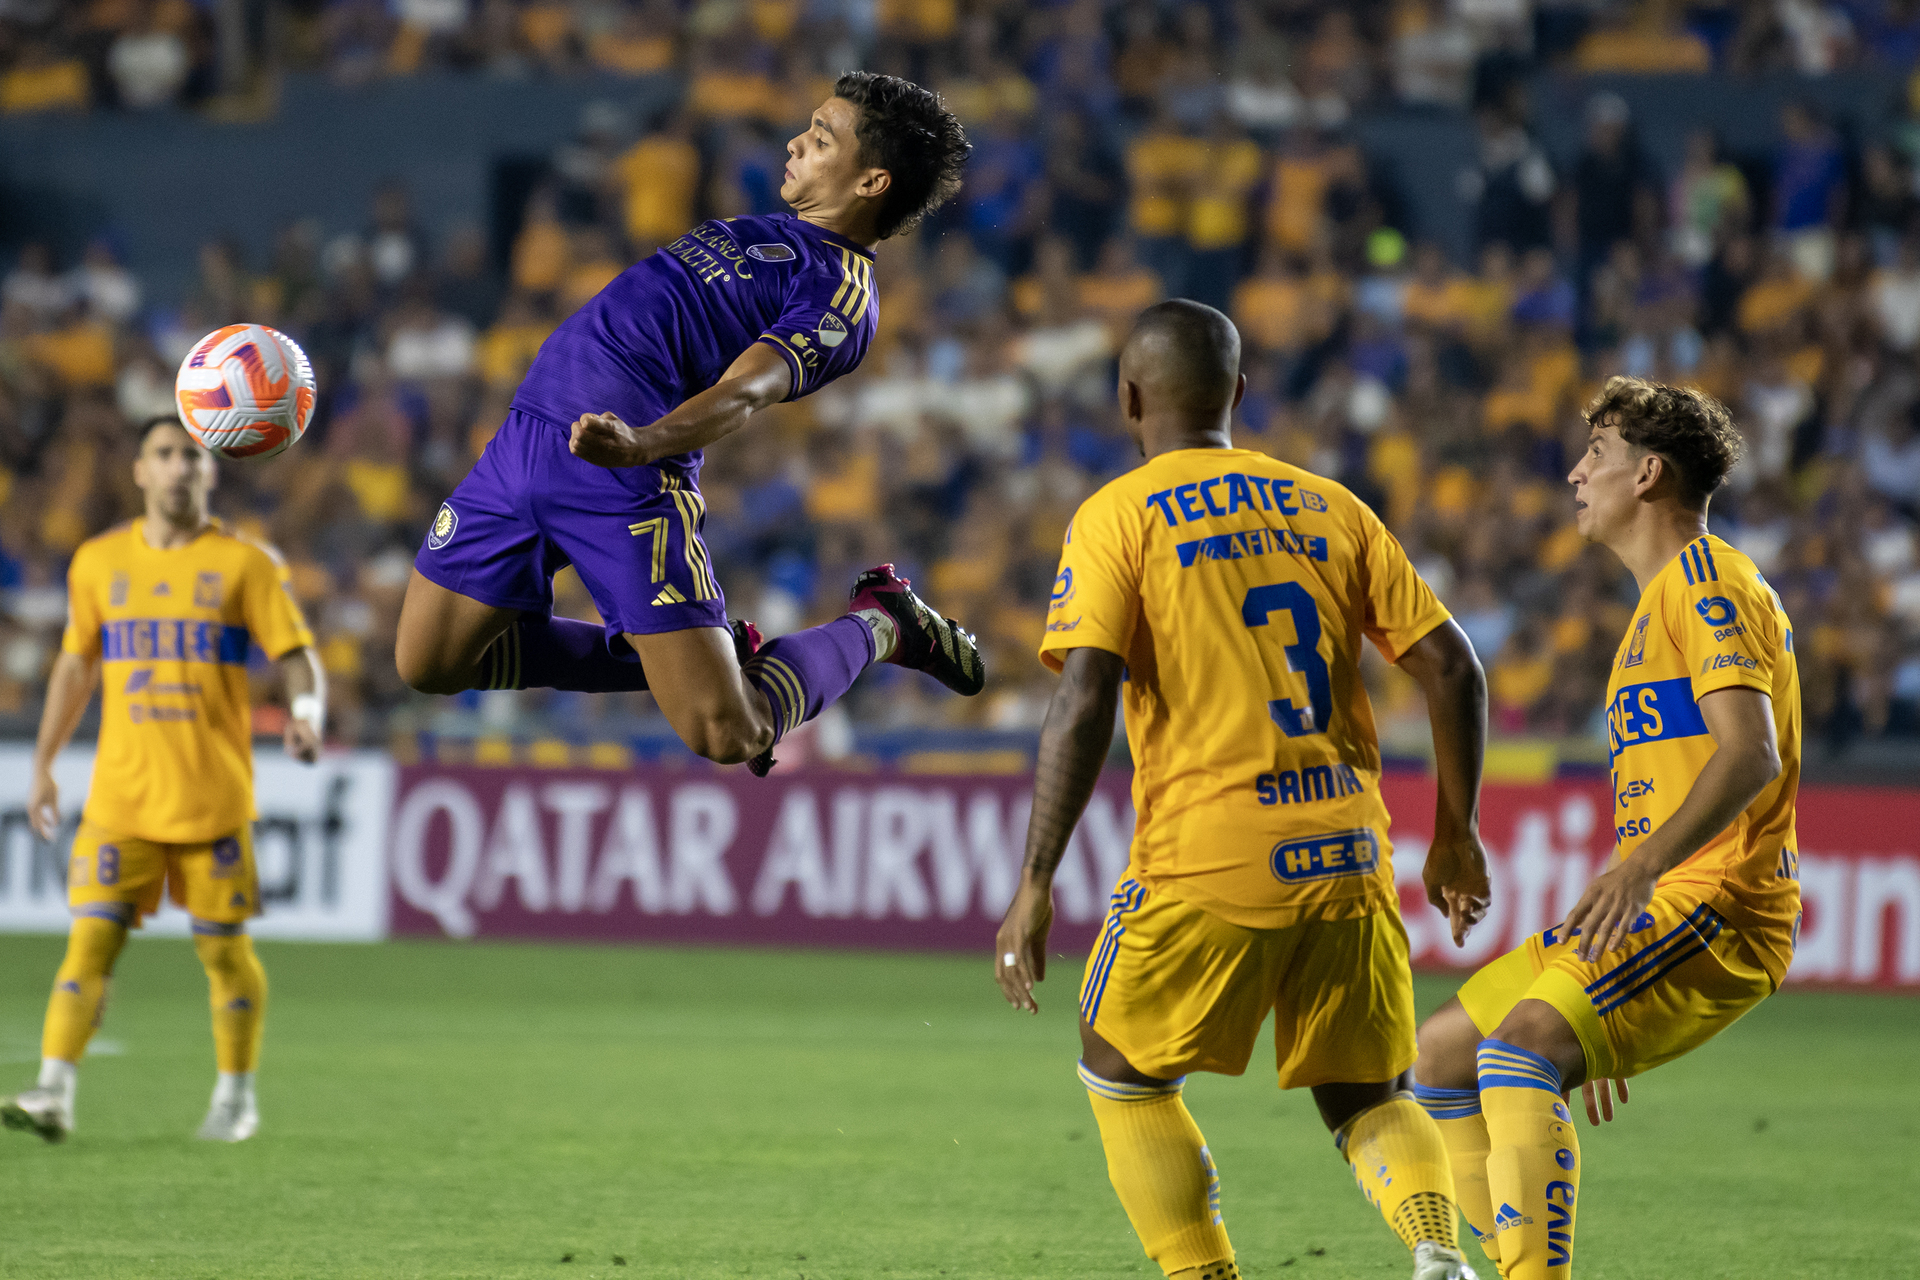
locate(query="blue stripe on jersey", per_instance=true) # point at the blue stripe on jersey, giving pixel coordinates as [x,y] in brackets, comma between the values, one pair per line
[172,640]
[1657,711]
[1686,567]
[1706,552]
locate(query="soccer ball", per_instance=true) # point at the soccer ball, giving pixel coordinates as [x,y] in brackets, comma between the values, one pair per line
[245,391]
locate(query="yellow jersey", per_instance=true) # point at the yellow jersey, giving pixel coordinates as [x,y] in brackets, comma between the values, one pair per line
[171,630]
[1238,588]
[1709,621]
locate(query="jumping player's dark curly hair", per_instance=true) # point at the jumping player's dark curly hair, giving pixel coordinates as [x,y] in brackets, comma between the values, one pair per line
[908,131]
[1688,428]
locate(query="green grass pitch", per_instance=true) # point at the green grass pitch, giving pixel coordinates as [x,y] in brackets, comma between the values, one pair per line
[488,1110]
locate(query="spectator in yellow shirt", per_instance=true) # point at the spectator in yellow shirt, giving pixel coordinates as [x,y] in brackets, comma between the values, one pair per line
[43,80]
[541,251]
[1271,306]
[1120,289]
[1218,213]
[1162,166]
[659,176]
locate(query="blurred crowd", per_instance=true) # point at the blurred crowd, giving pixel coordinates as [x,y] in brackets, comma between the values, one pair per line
[1266,61]
[1122,154]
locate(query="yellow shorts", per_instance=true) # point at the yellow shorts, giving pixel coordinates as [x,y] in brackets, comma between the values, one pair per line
[1681,978]
[214,881]
[1176,989]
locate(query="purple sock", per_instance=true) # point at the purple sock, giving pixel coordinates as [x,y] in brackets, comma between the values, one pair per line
[803,672]
[558,653]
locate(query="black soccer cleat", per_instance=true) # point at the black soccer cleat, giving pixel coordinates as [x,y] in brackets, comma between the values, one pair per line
[925,641]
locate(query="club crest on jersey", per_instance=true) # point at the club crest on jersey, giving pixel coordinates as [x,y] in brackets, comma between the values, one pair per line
[444,524]
[1637,650]
[771,252]
[206,591]
[117,592]
[832,331]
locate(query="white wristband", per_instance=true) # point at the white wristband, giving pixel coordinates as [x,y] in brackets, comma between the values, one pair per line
[308,707]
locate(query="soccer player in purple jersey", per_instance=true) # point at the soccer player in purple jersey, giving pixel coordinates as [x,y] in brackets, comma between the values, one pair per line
[598,462]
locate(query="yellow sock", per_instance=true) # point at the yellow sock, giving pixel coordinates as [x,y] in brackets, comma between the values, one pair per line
[1464,1130]
[1400,1162]
[1164,1175]
[80,987]
[1533,1167]
[237,986]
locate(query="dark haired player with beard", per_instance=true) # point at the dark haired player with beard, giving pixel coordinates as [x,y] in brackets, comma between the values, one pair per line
[1694,923]
[598,462]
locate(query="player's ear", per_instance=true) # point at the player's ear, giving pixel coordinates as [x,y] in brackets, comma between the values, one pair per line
[1239,391]
[1131,407]
[874,183]
[1651,470]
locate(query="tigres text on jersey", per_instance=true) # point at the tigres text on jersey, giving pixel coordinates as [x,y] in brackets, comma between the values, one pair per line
[1709,621]
[172,629]
[1238,589]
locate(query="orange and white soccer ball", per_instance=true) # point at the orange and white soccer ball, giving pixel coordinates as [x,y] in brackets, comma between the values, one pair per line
[245,391]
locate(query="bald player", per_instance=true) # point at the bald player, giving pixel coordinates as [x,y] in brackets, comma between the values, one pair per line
[1224,596]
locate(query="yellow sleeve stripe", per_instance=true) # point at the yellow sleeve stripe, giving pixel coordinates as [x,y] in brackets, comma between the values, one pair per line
[799,368]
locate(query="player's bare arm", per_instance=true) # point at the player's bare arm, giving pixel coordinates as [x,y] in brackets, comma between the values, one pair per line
[69,689]
[1073,748]
[1443,664]
[760,377]
[306,687]
[1745,759]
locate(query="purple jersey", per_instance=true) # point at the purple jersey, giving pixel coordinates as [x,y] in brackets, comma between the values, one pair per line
[671,325]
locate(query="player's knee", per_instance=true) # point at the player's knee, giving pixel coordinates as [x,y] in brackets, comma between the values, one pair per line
[1539,1028]
[1448,1042]
[423,672]
[727,740]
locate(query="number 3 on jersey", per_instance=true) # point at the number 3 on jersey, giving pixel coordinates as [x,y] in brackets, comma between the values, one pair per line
[1303,656]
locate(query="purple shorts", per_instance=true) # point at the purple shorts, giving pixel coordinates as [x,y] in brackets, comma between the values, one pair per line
[529,508]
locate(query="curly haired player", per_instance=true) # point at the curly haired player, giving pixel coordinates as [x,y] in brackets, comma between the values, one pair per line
[1694,923]
[598,462]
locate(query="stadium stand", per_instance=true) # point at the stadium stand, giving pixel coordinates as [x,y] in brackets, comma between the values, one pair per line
[1437,374]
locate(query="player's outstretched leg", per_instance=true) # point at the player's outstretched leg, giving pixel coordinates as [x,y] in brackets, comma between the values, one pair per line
[1159,1164]
[449,643]
[1400,1162]
[1533,1168]
[237,990]
[73,1015]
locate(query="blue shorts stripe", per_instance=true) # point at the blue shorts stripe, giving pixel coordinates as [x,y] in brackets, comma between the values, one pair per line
[1126,896]
[1627,970]
[1668,962]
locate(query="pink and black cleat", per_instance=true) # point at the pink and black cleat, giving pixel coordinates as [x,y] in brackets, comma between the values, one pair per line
[926,641]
